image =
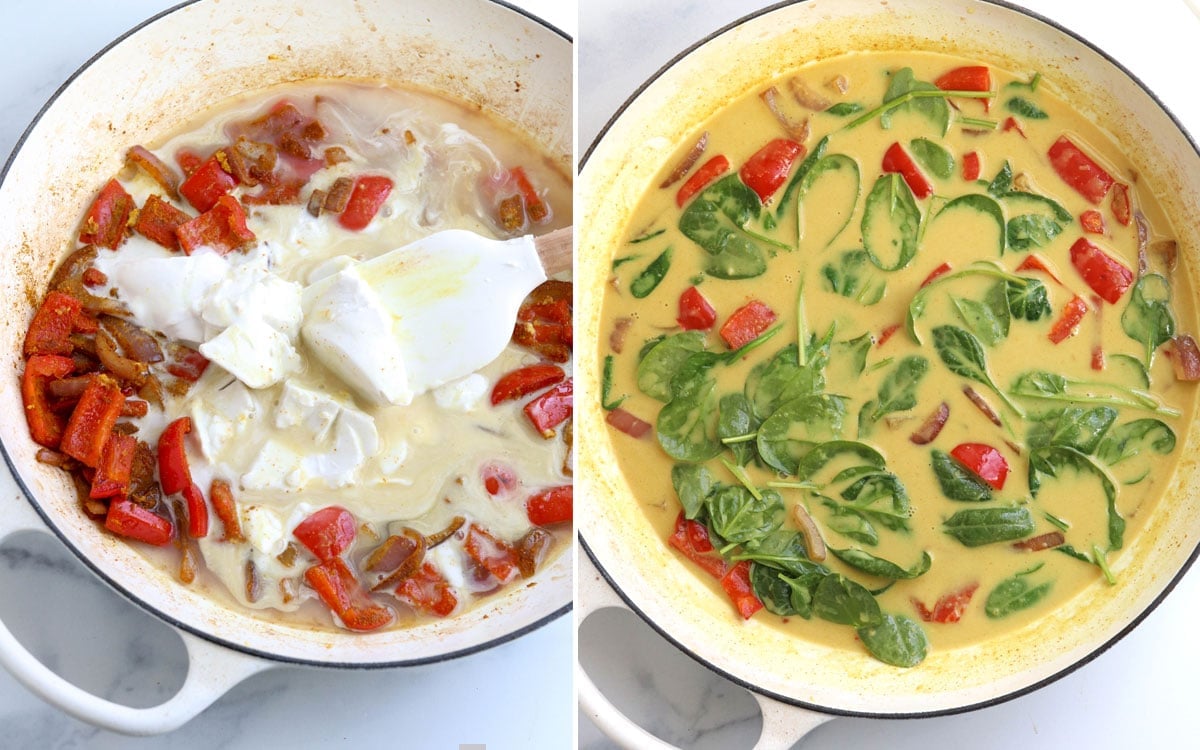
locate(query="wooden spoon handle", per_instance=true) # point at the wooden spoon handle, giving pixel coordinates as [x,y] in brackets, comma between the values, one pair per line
[556,250]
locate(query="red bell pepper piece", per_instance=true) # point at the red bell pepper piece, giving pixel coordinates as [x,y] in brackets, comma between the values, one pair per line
[1098,357]
[1034,262]
[90,425]
[535,207]
[115,469]
[897,160]
[551,506]
[971,166]
[335,583]
[691,538]
[207,184]
[1010,123]
[366,198]
[887,334]
[328,532]
[105,222]
[186,363]
[737,584]
[50,330]
[627,423]
[222,228]
[158,222]
[696,313]
[1104,274]
[45,426]
[708,172]
[174,474]
[428,592]
[1122,208]
[984,461]
[197,510]
[949,607]
[747,323]
[1092,221]
[128,519]
[552,408]
[498,479]
[544,321]
[1078,170]
[766,170]
[222,499]
[494,555]
[966,78]
[1067,324]
[941,270]
[526,380]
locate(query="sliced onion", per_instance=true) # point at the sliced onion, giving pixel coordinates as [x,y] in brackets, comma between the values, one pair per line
[806,97]
[1168,250]
[687,162]
[438,537]
[68,277]
[932,425]
[812,536]
[839,83]
[136,342]
[121,367]
[1187,358]
[531,550]
[627,423]
[616,339]
[1042,541]
[797,131]
[982,404]
[1143,239]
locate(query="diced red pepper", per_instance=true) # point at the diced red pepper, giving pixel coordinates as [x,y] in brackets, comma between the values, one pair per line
[45,426]
[1010,123]
[696,313]
[1122,208]
[535,207]
[335,583]
[328,532]
[551,506]
[197,510]
[886,334]
[971,166]
[941,270]
[498,479]
[50,330]
[766,170]
[115,469]
[221,495]
[1034,262]
[747,323]
[428,592]
[1067,324]
[1092,221]
[1078,170]
[207,184]
[221,228]
[128,519]
[949,607]
[691,538]
[627,423]
[186,363]
[897,160]
[91,423]
[494,555]
[966,78]
[1104,274]
[984,461]
[708,172]
[174,473]
[544,321]
[1098,362]
[366,198]
[737,585]
[105,222]
[552,408]
[158,222]
[526,380]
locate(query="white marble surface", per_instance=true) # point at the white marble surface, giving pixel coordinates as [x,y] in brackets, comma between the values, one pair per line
[517,695]
[1138,694]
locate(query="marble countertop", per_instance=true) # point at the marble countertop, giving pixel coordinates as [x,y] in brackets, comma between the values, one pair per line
[517,695]
[1137,694]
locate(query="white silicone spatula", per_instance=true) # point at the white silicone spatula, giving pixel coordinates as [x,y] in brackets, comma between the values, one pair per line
[428,313]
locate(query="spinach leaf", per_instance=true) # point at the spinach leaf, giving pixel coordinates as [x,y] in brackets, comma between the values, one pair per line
[606,402]
[686,426]
[738,516]
[979,526]
[989,319]
[957,481]
[1072,426]
[881,497]
[1147,318]
[1050,386]
[829,166]
[648,280]
[845,109]
[850,523]
[891,223]
[715,219]
[879,567]
[963,355]
[644,237]
[820,456]
[857,350]
[1001,184]
[737,427]
[898,392]
[1134,437]
[1025,108]
[852,276]
[693,484]
[897,640]
[1015,594]
[1027,298]
[802,171]
[1029,230]
[797,427]
[784,550]
[845,602]
[1052,460]
[933,156]
[983,205]
[663,361]
[785,594]
[781,379]
[899,97]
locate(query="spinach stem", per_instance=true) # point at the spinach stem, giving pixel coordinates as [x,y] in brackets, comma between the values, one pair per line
[802,325]
[908,96]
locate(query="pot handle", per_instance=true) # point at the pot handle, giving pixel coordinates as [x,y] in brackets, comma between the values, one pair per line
[212,670]
[783,723]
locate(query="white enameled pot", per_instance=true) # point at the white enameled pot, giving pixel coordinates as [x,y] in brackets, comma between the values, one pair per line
[146,84]
[800,684]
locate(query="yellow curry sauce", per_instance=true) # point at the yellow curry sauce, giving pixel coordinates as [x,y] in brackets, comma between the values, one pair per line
[951,386]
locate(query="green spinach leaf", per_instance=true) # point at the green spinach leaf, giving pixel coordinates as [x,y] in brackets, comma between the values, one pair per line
[978,526]
[1025,108]
[1027,299]
[693,484]
[1015,594]
[853,276]
[664,360]
[1027,231]
[737,427]
[1147,318]
[933,156]
[891,223]
[983,205]
[1052,460]
[1133,438]
[989,319]
[648,280]
[738,516]
[898,392]
[798,426]
[715,220]
[897,640]
[845,602]
[879,567]
[963,355]
[1072,426]
[957,481]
